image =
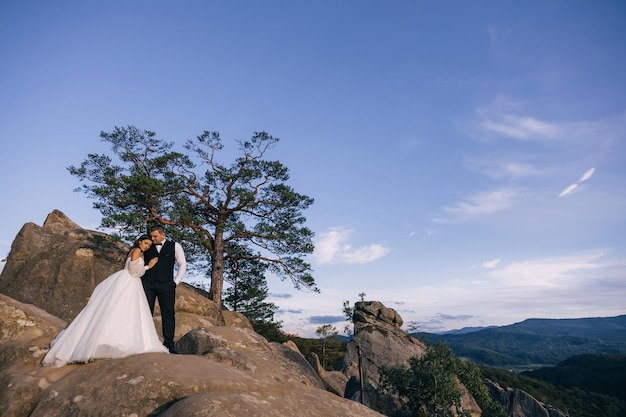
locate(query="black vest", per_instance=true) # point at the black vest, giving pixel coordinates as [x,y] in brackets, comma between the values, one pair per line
[163,271]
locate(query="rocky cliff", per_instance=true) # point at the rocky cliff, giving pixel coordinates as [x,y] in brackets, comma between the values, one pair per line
[226,369]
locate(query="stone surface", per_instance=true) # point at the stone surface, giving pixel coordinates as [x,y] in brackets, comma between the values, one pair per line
[236,373]
[334,381]
[518,403]
[57,266]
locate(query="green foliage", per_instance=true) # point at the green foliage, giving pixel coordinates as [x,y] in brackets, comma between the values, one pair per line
[326,333]
[271,330]
[248,288]
[348,312]
[335,350]
[595,372]
[574,401]
[207,206]
[429,385]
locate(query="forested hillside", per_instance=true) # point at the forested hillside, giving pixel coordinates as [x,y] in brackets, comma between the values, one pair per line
[535,343]
[591,385]
[594,372]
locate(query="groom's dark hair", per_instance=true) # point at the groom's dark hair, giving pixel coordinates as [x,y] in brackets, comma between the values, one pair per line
[157,227]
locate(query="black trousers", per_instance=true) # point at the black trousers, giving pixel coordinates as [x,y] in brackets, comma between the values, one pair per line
[167,298]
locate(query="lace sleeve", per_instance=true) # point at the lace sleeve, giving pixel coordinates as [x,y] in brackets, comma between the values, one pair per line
[136,268]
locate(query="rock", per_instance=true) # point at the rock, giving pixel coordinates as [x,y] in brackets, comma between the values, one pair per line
[334,381]
[269,378]
[518,403]
[379,341]
[375,311]
[234,318]
[229,370]
[57,266]
[384,342]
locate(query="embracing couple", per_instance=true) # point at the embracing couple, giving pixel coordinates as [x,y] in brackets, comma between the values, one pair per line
[117,320]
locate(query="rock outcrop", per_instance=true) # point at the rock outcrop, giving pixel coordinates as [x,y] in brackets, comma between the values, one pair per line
[57,266]
[518,403]
[228,369]
[379,341]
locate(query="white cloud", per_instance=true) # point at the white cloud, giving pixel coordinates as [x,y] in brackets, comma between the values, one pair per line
[517,170]
[521,127]
[506,117]
[572,187]
[568,190]
[491,264]
[581,284]
[499,169]
[587,175]
[481,203]
[331,248]
[547,272]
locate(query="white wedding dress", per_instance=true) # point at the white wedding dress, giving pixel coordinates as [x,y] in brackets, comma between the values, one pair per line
[115,323]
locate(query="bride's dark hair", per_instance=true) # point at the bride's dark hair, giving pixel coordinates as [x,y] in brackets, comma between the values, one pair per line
[140,238]
[136,244]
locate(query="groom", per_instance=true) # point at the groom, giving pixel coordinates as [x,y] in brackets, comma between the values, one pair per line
[159,281]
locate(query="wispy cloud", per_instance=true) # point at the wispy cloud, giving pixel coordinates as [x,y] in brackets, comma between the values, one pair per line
[332,248]
[520,127]
[480,203]
[517,170]
[516,119]
[578,284]
[587,175]
[547,272]
[572,187]
[491,264]
[568,190]
[502,168]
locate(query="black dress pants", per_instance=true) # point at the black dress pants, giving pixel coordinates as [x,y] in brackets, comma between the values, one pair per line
[167,298]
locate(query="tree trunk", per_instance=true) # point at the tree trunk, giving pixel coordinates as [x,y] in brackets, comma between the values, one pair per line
[217,269]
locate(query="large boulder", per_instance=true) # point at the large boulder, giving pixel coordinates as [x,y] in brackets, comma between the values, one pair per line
[518,403]
[379,340]
[334,381]
[57,266]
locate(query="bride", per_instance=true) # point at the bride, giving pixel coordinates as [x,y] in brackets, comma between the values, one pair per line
[116,322]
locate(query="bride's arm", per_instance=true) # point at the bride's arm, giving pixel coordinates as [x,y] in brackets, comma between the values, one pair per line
[135,253]
[136,266]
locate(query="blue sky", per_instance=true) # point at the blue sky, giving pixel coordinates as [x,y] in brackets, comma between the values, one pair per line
[467,159]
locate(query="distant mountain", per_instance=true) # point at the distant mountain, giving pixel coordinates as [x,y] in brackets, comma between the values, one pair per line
[466,330]
[536,342]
